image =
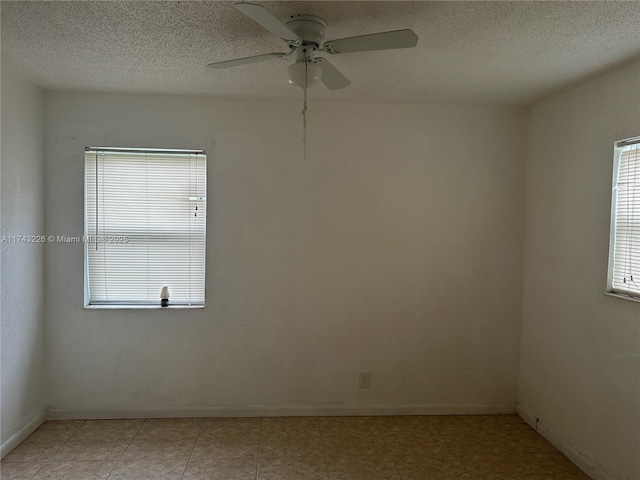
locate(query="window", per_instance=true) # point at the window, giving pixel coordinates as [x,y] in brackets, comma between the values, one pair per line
[624,250]
[145,226]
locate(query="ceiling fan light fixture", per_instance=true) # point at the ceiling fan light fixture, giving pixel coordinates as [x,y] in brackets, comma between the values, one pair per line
[297,74]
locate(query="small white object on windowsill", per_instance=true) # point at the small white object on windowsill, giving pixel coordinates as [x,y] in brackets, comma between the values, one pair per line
[164,296]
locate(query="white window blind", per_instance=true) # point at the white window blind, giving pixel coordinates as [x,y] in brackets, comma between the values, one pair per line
[624,262]
[145,226]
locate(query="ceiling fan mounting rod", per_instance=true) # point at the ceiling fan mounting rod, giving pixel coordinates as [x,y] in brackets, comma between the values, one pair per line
[306,52]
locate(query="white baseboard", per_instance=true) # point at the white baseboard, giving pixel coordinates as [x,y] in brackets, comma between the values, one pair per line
[23,433]
[582,462]
[284,411]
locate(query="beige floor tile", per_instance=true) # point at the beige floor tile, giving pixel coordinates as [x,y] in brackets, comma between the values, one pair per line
[19,471]
[299,468]
[503,419]
[554,466]
[229,430]
[180,435]
[351,422]
[479,443]
[461,423]
[290,422]
[157,423]
[249,434]
[31,453]
[102,436]
[231,422]
[38,447]
[379,450]
[345,434]
[414,441]
[127,424]
[421,422]
[424,447]
[523,438]
[241,440]
[74,471]
[61,425]
[478,435]
[226,447]
[159,450]
[47,438]
[419,449]
[290,442]
[221,469]
[371,467]
[430,467]
[148,470]
[352,440]
[396,432]
[496,466]
[76,452]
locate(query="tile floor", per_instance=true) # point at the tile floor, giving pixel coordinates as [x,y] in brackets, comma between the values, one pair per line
[500,447]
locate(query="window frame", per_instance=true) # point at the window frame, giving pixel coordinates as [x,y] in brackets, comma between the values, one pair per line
[87,227]
[619,147]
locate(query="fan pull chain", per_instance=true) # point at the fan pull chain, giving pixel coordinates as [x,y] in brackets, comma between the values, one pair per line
[303,113]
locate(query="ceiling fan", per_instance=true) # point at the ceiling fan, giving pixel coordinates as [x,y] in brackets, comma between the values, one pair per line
[304,34]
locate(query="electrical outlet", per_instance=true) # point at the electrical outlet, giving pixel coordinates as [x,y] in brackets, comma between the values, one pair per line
[365,380]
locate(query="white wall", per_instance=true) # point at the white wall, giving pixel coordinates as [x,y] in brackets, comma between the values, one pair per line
[395,248]
[580,366]
[22,270]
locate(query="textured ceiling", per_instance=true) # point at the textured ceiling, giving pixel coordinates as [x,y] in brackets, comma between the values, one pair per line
[502,52]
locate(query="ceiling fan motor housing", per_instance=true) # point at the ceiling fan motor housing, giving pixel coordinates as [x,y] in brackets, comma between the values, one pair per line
[309,28]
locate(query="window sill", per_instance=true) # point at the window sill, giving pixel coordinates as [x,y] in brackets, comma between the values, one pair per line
[622,297]
[140,307]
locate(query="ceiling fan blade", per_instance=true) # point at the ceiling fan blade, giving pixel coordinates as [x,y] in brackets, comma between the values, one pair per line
[245,60]
[331,76]
[262,16]
[375,41]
